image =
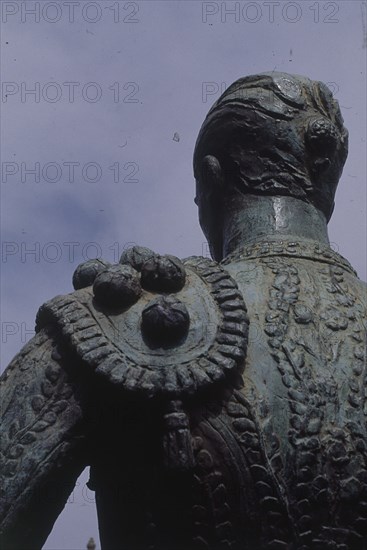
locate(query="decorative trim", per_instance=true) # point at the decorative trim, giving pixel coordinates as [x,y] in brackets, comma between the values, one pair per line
[225,355]
[294,249]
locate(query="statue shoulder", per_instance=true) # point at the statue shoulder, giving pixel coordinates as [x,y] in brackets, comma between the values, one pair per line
[153,325]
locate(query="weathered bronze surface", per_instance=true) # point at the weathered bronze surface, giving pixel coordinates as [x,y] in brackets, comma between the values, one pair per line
[220,404]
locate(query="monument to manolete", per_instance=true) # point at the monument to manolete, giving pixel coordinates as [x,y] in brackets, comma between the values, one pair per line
[220,404]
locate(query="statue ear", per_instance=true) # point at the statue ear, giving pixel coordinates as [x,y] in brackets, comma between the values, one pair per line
[212,176]
[322,139]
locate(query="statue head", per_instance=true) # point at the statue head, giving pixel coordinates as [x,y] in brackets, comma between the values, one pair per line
[269,134]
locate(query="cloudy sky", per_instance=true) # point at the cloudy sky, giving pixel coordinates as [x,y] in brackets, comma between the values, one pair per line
[101,105]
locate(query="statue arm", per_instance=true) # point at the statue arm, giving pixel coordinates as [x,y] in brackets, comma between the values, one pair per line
[42,448]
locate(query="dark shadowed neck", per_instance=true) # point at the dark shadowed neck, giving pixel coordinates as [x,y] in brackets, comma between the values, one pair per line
[252,218]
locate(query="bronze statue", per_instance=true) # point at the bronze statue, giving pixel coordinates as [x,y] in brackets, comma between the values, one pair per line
[220,404]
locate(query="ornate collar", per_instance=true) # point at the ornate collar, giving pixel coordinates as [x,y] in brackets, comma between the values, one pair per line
[310,250]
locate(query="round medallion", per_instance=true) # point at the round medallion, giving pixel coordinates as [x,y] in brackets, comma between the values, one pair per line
[172,345]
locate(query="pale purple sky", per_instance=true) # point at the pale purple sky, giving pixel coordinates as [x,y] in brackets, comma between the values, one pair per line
[109,97]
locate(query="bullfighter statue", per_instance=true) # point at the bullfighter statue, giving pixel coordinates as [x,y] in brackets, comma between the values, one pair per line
[220,404]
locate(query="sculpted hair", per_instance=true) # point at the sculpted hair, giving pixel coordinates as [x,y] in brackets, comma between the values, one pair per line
[277,134]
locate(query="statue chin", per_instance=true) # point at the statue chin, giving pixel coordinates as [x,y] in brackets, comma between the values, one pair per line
[219,403]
